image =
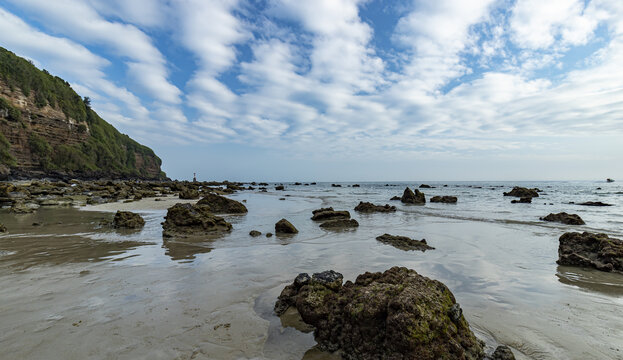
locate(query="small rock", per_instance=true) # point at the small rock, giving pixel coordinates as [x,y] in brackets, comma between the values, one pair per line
[269,235]
[279,187]
[3,228]
[523,200]
[563,217]
[255,233]
[444,199]
[339,223]
[128,220]
[404,243]
[330,215]
[283,226]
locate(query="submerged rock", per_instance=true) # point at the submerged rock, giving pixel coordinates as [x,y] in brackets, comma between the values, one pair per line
[410,197]
[189,194]
[591,250]
[397,314]
[594,203]
[367,207]
[330,214]
[523,200]
[404,243]
[444,199]
[283,226]
[563,217]
[189,219]
[522,192]
[339,224]
[221,205]
[128,220]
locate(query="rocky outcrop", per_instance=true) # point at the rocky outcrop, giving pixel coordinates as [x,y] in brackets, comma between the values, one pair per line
[522,192]
[283,226]
[128,220]
[189,194]
[591,250]
[397,314]
[221,205]
[367,207]
[192,220]
[411,197]
[339,224]
[329,214]
[523,200]
[444,199]
[563,217]
[404,243]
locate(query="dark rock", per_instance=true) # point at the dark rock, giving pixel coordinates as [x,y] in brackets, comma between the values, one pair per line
[336,185]
[502,352]
[189,194]
[522,192]
[404,243]
[563,217]
[321,210]
[594,203]
[283,226]
[280,187]
[410,197]
[221,205]
[189,219]
[339,223]
[255,233]
[424,186]
[444,199]
[3,228]
[397,314]
[523,200]
[367,207]
[395,198]
[591,250]
[269,235]
[128,220]
[282,198]
[301,279]
[330,215]
[356,185]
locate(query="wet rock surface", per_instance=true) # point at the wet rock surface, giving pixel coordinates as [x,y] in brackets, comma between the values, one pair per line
[192,220]
[591,250]
[283,226]
[189,194]
[128,220]
[413,197]
[367,207]
[221,205]
[404,243]
[444,199]
[523,200]
[339,224]
[522,192]
[502,352]
[563,217]
[329,214]
[397,314]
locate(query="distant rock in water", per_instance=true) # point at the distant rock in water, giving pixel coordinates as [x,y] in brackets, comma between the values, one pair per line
[591,250]
[522,192]
[594,203]
[255,233]
[336,185]
[192,220]
[523,200]
[128,220]
[397,314]
[189,194]
[367,207]
[609,180]
[221,205]
[330,215]
[444,199]
[404,243]
[339,224]
[425,186]
[283,226]
[356,185]
[279,187]
[563,217]
[410,197]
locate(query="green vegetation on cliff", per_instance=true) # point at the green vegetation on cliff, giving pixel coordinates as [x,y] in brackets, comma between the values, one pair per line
[105,150]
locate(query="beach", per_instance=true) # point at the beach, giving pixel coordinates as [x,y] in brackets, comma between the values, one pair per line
[73,288]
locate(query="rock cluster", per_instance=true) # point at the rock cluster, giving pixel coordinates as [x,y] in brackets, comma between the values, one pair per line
[411,197]
[404,243]
[192,220]
[444,199]
[367,207]
[563,217]
[591,250]
[332,219]
[221,205]
[128,220]
[522,192]
[397,314]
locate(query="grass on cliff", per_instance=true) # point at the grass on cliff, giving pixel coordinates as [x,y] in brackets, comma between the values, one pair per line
[106,150]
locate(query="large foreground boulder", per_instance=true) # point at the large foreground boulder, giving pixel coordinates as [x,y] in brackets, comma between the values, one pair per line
[368,207]
[221,205]
[397,314]
[444,199]
[283,226]
[563,217]
[192,220]
[410,197]
[522,192]
[128,220]
[404,243]
[591,250]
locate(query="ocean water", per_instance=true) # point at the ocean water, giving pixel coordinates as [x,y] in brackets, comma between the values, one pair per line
[73,289]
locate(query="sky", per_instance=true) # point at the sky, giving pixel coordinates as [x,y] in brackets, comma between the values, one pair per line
[345,90]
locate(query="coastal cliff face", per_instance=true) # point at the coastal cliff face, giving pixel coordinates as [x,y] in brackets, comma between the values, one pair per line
[46,129]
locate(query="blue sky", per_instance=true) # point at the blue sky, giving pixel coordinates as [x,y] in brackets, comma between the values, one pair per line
[341,90]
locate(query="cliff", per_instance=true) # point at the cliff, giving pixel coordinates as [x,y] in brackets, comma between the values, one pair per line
[47,129]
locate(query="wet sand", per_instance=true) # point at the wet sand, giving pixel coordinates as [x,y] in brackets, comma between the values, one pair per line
[77,290]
